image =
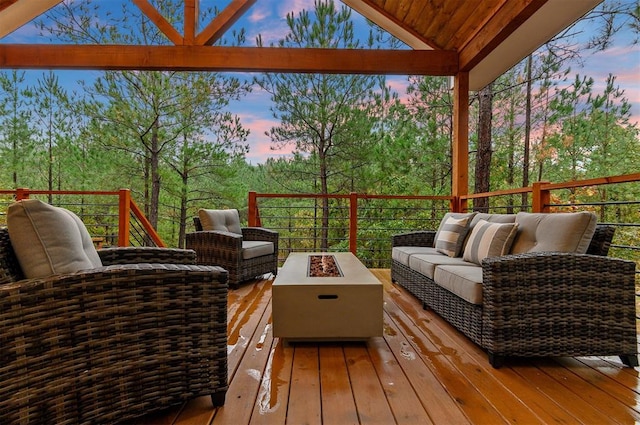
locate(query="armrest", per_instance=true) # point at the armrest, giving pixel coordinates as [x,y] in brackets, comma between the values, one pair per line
[215,247]
[550,297]
[259,234]
[134,255]
[419,238]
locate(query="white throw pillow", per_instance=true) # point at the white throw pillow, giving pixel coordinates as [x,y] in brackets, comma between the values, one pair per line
[49,240]
[489,240]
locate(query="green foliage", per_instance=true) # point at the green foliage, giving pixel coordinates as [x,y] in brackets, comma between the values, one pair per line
[170,138]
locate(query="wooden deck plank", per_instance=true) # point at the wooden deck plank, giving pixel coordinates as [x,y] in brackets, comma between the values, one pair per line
[368,393]
[471,362]
[582,411]
[469,399]
[273,396]
[535,401]
[305,406]
[335,384]
[574,379]
[625,396]
[625,376]
[242,323]
[403,401]
[421,371]
[245,384]
[440,406]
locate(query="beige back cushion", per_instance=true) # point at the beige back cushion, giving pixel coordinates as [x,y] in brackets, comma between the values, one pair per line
[562,232]
[49,240]
[223,220]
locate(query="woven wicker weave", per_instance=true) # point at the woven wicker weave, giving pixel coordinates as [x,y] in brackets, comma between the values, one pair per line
[224,249]
[541,304]
[110,344]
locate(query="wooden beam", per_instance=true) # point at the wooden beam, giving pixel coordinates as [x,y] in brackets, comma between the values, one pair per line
[223,22]
[502,24]
[460,147]
[6,3]
[190,21]
[17,13]
[216,58]
[156,17]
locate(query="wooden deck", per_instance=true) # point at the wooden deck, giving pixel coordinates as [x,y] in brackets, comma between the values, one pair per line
[422,371]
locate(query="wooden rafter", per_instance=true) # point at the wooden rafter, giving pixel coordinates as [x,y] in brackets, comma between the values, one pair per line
[216,58]
[190,21]
[6,3]
[16,13]
[163,25]
[223,22]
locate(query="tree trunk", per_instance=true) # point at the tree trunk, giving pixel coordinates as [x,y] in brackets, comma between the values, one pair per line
[324,190]
[527,135]
[155,175]
[483,156]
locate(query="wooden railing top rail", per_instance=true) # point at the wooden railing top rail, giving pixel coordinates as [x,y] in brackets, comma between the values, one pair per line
[126,207]
[547,186]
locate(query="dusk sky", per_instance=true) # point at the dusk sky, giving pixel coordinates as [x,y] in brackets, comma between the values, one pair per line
[267,18]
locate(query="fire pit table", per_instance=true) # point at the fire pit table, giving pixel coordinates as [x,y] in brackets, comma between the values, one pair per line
[326,296]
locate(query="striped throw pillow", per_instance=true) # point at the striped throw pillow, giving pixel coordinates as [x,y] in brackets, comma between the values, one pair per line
[489,240]
[451,235]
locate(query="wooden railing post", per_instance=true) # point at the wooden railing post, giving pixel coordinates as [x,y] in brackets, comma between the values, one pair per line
[353,223]
[254,214]
[22,193]
[124,217]
[540,198]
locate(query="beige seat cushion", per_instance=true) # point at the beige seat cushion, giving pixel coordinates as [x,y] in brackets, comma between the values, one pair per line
[464,281]
[49,240]
[560,232]
[402,253]
[425,264]
[222,220]
[253,249]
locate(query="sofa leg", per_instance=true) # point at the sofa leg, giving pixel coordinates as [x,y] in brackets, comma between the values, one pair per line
[218,398]
[496,360]
[630,360]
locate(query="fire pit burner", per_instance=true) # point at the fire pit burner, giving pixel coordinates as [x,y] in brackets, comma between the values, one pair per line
[323,266]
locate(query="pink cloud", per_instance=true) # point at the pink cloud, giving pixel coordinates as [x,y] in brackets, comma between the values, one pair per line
[260,146]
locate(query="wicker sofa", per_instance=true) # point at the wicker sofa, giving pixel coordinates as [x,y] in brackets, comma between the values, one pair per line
[145,331]
[531,303]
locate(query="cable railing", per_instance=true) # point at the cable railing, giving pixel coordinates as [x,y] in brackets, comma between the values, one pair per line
[111,217]
[364,224]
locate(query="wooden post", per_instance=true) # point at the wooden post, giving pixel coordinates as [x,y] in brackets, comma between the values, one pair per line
[541,198]
[190,21]
[460,146]
[124,217]
[353,223]
[253,213]
[22,193]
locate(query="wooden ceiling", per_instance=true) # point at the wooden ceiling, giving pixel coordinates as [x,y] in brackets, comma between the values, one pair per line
[482,37]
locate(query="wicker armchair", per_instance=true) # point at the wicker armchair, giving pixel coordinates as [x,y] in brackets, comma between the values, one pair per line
[225,249]
[112,343]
